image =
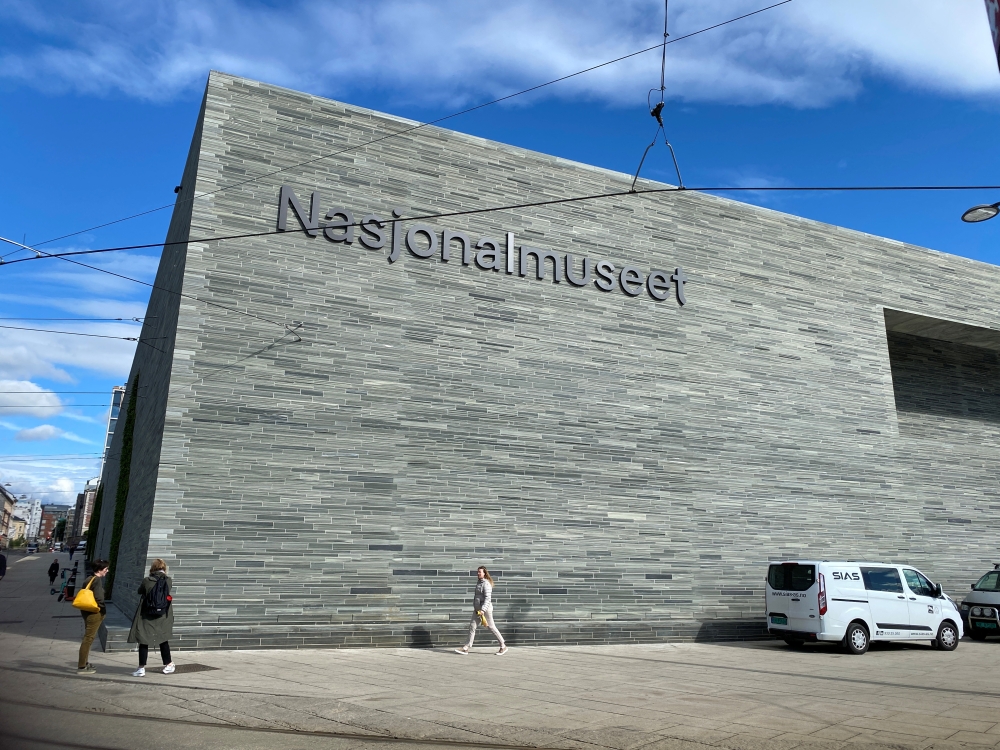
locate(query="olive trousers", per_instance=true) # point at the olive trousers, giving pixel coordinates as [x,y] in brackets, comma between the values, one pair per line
[91,624]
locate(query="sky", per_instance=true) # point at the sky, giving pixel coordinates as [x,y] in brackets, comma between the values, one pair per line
[98,101]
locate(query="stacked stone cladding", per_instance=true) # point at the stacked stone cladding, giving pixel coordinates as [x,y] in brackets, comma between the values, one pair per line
[627,467]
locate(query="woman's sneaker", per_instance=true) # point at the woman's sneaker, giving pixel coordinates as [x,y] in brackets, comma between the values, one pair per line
[89,669]
[464,651]
[140,672]
[503,650]
[169,669]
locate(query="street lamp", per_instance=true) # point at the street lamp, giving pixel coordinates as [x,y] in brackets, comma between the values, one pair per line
[983,212]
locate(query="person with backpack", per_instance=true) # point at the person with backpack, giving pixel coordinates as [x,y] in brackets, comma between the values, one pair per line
[482,612]
[92,620]
[153,624]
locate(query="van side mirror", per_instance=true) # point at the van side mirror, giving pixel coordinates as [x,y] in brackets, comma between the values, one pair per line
[938,591]
[972,586]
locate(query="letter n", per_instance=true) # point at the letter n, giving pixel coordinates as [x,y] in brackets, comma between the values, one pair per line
[288,198]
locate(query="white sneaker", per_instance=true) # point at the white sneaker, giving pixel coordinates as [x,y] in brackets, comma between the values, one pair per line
[169,669]
[464,651]
[140,672]
[503,650]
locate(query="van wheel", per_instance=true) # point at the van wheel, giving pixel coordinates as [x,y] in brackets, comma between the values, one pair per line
[947,637]
[856,639]
[795,642]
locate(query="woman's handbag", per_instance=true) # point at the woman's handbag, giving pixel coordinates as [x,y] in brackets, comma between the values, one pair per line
[84,600]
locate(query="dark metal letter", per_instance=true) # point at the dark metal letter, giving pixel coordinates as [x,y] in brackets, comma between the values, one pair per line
[414,247]
[630,275]
[495,262]
[679,278]
[347,224]
[396,233]
[569,271]
[287,197]
[540,258]
[604,281]
[446,238]
[658,284]
[367,222]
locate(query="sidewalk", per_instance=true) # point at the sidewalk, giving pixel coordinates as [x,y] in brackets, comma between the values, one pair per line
[685,696]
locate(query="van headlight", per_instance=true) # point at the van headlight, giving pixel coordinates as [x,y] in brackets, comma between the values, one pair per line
[976,611]
[964,605]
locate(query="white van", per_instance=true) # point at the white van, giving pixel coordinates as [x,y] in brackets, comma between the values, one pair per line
[856,603]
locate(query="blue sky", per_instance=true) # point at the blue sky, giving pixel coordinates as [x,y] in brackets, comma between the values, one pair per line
[99,100]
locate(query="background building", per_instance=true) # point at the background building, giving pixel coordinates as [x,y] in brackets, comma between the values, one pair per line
[51,516]
[337,427]
[78,521]
[7,502]
[18,527]
[31,512]
[117,394]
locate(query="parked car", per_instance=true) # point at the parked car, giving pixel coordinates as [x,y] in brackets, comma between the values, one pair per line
[857,603]
[981,607]
[82,546]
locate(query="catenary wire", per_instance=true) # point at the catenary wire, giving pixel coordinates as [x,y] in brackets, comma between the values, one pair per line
[74,333]
[44,393]
[47,406]
[421,125]
[510,207]
[85,320]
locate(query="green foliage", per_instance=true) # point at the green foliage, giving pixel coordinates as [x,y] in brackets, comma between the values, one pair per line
[60,530]
[95,522]
[121,491]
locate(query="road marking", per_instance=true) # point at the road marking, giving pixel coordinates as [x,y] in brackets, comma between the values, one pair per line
[26,557]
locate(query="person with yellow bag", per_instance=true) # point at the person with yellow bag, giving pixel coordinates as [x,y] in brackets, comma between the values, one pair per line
[482,612]
[90,601]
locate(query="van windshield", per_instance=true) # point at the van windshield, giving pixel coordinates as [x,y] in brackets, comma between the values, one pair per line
[791,576]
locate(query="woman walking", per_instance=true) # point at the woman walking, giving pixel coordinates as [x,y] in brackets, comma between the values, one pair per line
[92,620]
[153,624]
[53,571]
[482,611]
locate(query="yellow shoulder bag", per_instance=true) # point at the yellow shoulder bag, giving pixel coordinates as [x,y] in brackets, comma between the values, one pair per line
[84,598]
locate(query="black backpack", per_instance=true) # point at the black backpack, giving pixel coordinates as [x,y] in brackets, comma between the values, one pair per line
[157,599]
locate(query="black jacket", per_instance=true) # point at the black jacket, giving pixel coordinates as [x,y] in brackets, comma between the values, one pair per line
[54,569]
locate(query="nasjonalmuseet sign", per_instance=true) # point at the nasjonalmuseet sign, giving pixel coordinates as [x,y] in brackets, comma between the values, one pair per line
[489,254]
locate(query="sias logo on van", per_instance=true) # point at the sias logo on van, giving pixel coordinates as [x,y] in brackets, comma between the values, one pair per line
[847,576]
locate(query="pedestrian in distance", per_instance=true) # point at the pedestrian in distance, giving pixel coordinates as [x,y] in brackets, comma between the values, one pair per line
[92,620]
[71,551]
[153,624]
[53,572]
[482,612]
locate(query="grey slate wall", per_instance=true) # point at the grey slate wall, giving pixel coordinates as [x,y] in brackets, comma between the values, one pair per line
[627,466]
[152,364]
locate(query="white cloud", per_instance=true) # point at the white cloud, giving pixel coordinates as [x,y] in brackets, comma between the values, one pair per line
[25,397]
[806,53]
[49,481]
[34,354]
[47,432]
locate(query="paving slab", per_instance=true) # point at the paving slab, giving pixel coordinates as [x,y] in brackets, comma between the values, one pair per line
[749,696]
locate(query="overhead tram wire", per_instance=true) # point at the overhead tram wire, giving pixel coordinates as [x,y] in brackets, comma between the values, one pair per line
[510,207]
[466,111]
[85,320]
[292,328]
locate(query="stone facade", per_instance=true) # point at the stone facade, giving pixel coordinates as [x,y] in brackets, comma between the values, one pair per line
[327,443]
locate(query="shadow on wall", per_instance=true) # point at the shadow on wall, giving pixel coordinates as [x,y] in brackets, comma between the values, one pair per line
[731,630]
[420,637]
[517,614]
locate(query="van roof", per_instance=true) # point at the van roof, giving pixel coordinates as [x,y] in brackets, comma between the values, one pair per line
[830,562]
